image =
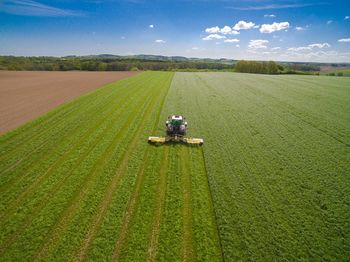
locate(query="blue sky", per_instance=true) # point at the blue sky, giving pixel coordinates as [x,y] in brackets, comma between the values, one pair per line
[285,30]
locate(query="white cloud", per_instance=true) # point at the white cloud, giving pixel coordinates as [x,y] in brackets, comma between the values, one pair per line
[242,25]
[212,30]
[195,48]
[226,30]
[269,28]
[329,22]
[256,26]
[237,45]
[299,28]
[259,43]
[160,41]
[344,40]
[320,45]
[309,47]
[301,48]
[151,26]
[271,15]
[346,17]
[275,48]
[231,40]
[213,36]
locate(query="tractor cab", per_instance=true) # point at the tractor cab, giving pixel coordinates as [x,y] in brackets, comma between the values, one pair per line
[176,125]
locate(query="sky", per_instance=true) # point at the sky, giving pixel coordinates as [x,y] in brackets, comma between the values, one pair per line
[284,30]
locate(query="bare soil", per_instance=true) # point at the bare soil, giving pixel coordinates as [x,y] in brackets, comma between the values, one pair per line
[27,95]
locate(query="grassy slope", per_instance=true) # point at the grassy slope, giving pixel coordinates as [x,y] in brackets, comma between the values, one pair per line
[277,156]
[82,182]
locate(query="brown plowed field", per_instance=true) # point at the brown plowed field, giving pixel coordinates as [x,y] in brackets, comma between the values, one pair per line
[27,95]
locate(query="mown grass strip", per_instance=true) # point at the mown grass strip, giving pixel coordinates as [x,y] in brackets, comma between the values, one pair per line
[188,252]
[147,120]
[159,209]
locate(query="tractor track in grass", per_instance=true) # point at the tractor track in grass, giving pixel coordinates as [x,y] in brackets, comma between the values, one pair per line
[88,183]
[31,188]
[153,242]
[69,212]
[72,108]
[187,248]
[115,182]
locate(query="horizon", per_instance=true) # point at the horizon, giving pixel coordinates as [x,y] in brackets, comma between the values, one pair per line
[285,31]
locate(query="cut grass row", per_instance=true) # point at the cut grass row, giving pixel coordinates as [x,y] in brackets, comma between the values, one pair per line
[277,157]
[81,183]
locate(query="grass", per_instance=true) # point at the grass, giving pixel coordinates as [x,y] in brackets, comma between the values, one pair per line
[277,158]
[270,183]
[82,183]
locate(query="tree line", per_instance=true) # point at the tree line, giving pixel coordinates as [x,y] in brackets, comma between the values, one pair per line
[257,67]
[103,64]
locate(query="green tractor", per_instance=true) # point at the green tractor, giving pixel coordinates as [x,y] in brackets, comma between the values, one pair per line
[176,126]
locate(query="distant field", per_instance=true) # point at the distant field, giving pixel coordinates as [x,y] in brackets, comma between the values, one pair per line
[26,95]
[345,71]
[271,181]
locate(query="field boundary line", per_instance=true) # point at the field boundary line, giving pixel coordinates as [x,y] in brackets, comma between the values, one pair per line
[161,193]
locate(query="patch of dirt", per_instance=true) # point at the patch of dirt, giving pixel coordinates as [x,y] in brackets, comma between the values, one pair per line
[25,95]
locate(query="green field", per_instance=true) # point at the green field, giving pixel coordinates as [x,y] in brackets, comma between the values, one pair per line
[345,72]
[271,181]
